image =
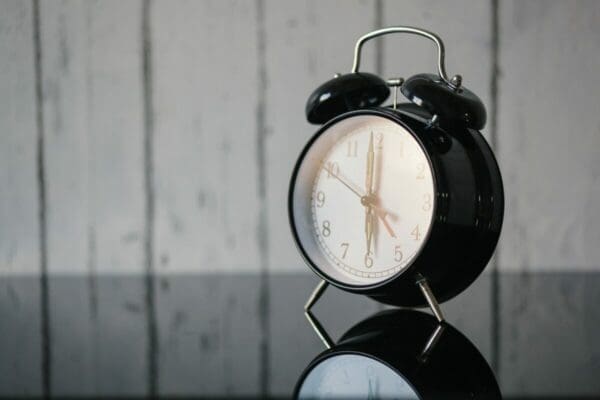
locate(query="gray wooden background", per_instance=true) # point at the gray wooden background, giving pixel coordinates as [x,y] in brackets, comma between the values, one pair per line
[145,152]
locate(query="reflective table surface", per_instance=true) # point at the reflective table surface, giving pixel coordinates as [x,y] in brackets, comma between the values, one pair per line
[246,336]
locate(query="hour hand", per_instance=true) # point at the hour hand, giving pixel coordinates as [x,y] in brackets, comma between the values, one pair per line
[382,214]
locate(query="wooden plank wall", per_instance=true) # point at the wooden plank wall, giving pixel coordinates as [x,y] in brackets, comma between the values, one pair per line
[93,168]
[20,252]
[145,142]
[547,145]
[206,170]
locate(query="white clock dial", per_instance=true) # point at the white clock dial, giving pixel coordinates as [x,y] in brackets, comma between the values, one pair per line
[372,199]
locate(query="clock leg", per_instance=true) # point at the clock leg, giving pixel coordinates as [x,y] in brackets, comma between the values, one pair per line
[316,295]
[433,304]
[433,339]
[312,320]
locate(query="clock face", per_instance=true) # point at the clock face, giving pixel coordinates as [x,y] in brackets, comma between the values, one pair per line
[368,199]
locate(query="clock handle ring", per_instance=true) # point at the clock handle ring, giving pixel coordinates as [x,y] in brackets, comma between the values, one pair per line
[455,82]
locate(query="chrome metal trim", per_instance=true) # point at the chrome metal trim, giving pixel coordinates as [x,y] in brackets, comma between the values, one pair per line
[454,82]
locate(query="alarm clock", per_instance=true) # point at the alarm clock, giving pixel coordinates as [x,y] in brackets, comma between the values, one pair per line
[403,203]
[380,359]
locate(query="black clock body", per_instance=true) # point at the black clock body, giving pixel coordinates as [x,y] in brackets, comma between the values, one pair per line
[468,209]
[451,368]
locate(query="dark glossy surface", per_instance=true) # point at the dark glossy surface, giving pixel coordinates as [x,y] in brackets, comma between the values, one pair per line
[453,106]
[210,344]
[345,93]
[469,207]
[216,339]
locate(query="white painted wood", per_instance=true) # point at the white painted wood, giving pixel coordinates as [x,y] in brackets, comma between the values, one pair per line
[465,28]
[207,200]
[549,134]
[19,226]
[20,330]
[205,142]
[91,63]
[307,42]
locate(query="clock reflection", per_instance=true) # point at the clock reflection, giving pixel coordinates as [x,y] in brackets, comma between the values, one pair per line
[399,354]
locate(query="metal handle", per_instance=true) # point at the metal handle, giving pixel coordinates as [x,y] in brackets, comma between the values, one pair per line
[454,82]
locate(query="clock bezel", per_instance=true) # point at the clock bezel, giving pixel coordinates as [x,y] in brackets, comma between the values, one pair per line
[368,287]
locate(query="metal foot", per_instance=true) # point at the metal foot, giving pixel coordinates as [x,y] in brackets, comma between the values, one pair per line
[312,320]
[433,304]
[433,339]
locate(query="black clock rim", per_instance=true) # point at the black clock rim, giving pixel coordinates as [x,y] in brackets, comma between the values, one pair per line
[368,288]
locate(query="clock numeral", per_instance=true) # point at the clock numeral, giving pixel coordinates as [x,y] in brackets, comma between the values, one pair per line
[320,198]
[427,202]
[415,233]
[345,251]
[379,138]
[333,169]
[326,230]
[368,260]
[398,254]
[352,148]
[421,171]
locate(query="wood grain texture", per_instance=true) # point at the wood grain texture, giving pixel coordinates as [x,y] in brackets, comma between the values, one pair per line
[92,109]
[205,140]
[549,134]
[21,347]
[19,204]
[206,170]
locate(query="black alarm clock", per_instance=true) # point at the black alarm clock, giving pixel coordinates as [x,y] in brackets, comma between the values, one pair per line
[380,359]
[403,203]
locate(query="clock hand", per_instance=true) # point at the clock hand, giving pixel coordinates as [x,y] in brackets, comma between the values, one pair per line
[350,185]
[370,165]
[368,230]
[382,216]
[369,189]
[370,162]
[381,213]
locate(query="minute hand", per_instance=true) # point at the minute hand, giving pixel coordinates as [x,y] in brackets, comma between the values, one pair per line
[369,188]
[350,185]
[370,162]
